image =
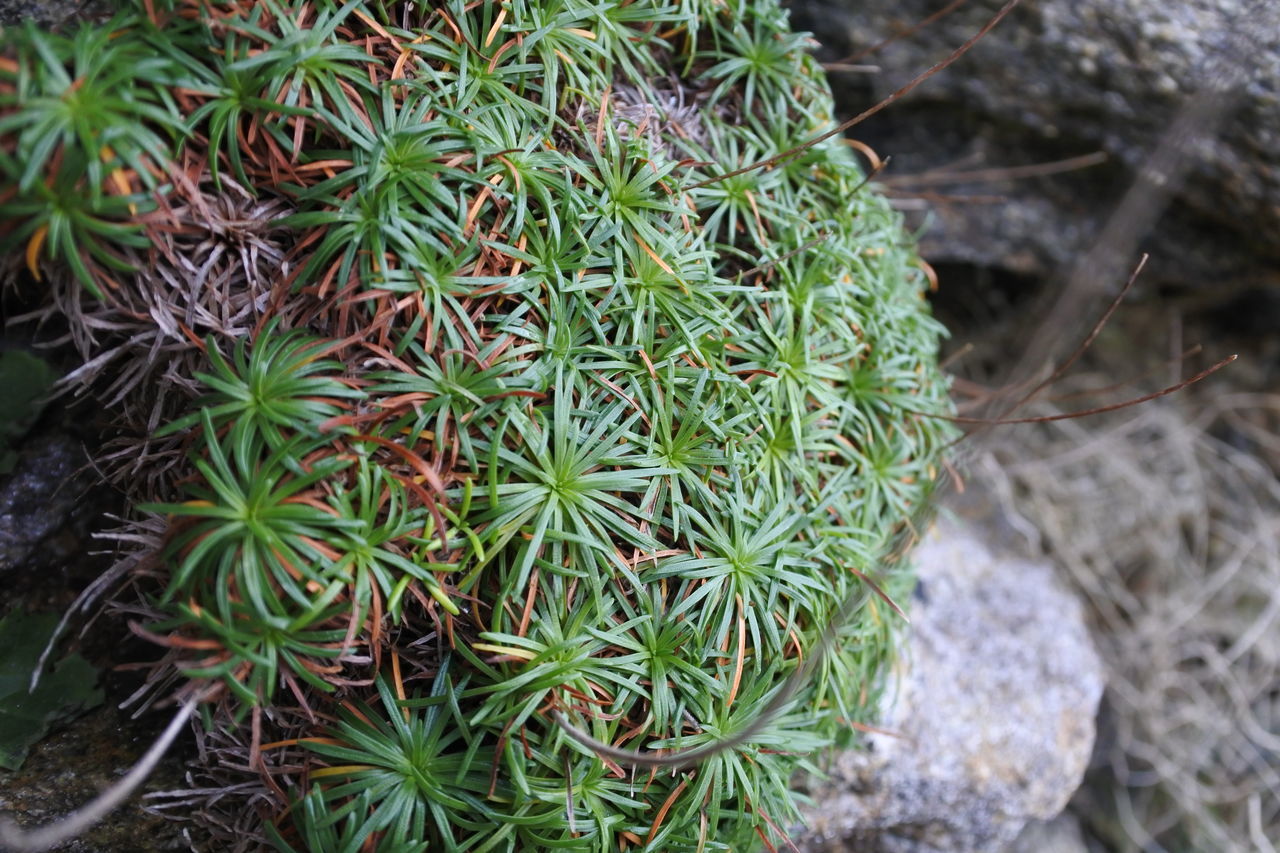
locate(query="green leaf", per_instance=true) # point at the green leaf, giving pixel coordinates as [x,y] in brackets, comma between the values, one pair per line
[24,381]
[63,694]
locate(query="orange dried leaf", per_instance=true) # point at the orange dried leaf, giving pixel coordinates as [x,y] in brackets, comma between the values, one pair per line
[33,250]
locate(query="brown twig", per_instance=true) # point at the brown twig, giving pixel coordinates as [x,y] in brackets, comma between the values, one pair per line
[1163,392]
[883,43]
[791,153]
[1002,173]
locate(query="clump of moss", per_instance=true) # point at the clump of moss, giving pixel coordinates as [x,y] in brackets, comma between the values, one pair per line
[497,386]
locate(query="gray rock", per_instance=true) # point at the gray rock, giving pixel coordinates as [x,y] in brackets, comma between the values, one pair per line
[50,13]
[1059,78]
[993,717]
[38,498]
[1060,835]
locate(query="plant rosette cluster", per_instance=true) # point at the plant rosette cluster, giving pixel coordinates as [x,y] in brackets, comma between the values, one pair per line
[512,407]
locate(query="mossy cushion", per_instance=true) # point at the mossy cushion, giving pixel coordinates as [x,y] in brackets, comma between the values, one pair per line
[538,412]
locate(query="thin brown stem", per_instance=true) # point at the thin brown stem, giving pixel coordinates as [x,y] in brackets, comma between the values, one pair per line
[1089,339]
[1065,416]
[1093,392]
[1002,173]
[791,153]
[901,34]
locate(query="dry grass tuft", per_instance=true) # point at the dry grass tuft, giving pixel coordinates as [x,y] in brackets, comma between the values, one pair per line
[217,256]
[1167,522]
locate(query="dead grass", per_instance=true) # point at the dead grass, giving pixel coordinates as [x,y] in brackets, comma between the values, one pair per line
[1166,520]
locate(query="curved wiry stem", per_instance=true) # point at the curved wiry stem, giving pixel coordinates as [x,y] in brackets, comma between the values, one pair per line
[13,837]
[792,153]
[681,758]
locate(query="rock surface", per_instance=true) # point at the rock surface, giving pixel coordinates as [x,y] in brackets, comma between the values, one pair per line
[1060,78]
[72,766]
[992,718]
[38,498]
[48,13]
[1060,835]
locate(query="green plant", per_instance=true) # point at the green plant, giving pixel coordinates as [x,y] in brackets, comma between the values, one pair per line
[568,422]
[25,383]
[405,764]
[88,123]
[252,572]
[70,689]
[391,201]
[283,385]
[92,91]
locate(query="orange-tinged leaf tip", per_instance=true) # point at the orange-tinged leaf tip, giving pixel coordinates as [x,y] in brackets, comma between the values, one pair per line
[33,250]
[121,180]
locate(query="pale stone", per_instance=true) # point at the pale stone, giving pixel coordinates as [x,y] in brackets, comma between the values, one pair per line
[992,712]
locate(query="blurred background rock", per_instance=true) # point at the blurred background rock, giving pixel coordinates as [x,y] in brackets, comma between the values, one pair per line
[1165,518]
[1062,79]
[50,13]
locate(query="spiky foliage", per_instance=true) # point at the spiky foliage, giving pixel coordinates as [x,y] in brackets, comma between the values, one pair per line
[87,122]
[573,425]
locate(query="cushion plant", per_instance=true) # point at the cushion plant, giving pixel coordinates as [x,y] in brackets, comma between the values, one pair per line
[495,406]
